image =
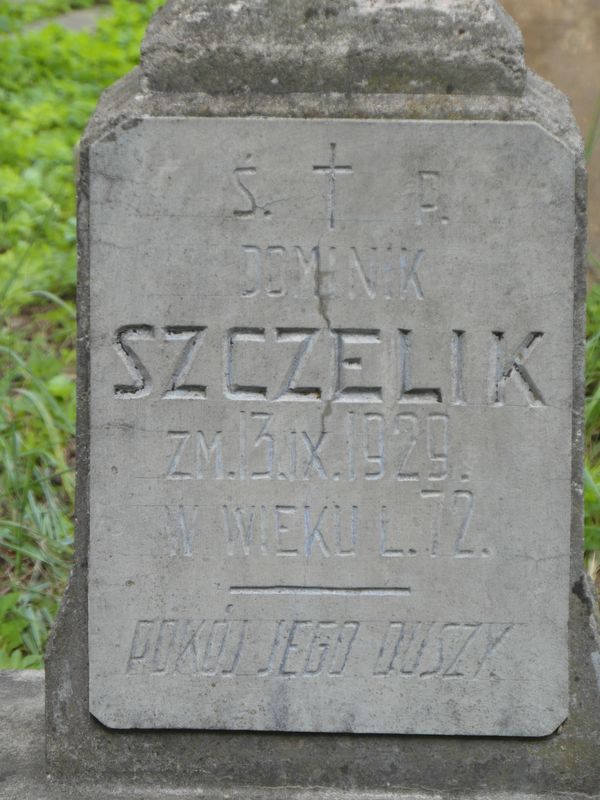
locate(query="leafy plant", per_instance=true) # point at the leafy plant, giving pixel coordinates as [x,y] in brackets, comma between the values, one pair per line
[50,80]
[592,461]
[592,408]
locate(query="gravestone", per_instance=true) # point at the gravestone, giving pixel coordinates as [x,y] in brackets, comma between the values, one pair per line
[331,296]
[330,426]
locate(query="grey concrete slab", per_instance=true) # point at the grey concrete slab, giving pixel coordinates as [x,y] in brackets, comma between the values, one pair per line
[75,739]
[365,46]
[23,770]
[287,533]
[221,761]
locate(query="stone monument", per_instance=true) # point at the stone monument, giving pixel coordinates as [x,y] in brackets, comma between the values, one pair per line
[331,300]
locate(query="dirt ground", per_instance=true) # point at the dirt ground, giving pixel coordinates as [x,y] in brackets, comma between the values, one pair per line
[562,42]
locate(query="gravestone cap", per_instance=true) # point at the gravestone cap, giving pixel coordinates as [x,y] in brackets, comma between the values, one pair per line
[348,46]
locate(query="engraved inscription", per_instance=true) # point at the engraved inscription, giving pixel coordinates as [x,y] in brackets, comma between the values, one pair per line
[409,393]
[143,384]
[438,650]
[326,374]
[332,170]
[307,648]
[441,526]
[239,173]
[405,447]
[389,354]
[505,369]
[428,210]
[388,272]
[192,338]
[290,389]
[183,528]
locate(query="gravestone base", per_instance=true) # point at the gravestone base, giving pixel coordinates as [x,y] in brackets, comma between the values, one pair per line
[254,764]
[23,772]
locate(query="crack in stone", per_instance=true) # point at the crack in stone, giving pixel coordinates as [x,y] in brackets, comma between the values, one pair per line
[326,408]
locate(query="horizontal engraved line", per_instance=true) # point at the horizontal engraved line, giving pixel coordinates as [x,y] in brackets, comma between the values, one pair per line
[371,591]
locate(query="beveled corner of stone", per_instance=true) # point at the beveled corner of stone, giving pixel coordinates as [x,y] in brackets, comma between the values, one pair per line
[347,46]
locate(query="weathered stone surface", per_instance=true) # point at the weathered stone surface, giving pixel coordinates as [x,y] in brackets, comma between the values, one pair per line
[287,533]
[365,46]
[77,743]
[23,771]
[242,762]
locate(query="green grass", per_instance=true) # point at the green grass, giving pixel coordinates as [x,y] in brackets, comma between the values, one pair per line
[50,80]
[592,388]
[592,461]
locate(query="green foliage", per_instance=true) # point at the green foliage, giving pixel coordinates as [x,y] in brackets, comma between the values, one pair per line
[592,464]
[592,386]
[50,80]
[13,627]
